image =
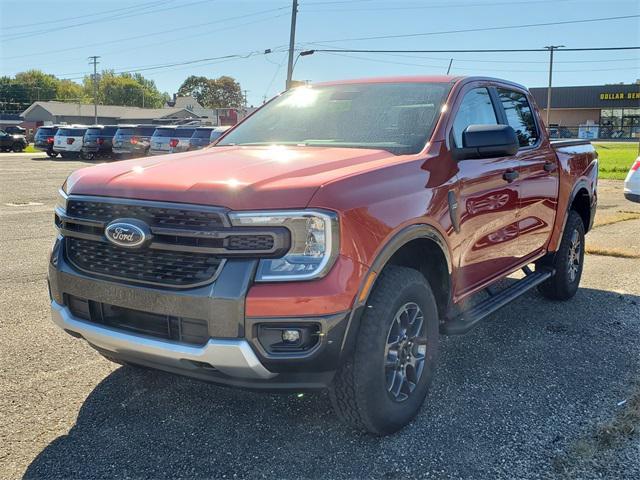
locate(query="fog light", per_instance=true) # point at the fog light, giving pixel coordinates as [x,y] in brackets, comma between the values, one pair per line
[290,336]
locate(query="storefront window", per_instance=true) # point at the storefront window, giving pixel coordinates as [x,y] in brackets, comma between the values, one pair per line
[631,117]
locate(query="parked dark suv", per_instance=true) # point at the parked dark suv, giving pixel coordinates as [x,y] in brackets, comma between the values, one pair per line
[132,140]
[44,139]
[13,142]
[98,141]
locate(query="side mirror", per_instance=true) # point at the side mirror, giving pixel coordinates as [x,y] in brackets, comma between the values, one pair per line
[487,141]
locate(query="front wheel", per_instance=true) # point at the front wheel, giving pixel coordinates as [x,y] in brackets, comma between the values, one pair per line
[381,388]
[17,147]
[52,154]
[567,262]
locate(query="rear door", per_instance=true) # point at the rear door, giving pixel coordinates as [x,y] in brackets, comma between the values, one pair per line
[487,198]
[538,171]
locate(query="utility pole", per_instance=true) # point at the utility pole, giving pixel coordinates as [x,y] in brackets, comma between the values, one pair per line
[551,49]
[245,98]
[449,67]
[95,62]
[292,41]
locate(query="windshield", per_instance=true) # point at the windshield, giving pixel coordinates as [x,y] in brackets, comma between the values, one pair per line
[46,131]
[164,132]
[398,117]
[202,133]
[71,132]
[184,132]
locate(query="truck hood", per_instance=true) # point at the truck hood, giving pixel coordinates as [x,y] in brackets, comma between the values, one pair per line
[235,177]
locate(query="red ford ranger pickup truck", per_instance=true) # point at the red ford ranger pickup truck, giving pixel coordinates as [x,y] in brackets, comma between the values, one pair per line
[327,240]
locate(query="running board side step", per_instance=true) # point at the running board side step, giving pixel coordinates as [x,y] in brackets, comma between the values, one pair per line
[467,320]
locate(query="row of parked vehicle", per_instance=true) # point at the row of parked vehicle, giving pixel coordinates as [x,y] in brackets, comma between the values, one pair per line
[123,141]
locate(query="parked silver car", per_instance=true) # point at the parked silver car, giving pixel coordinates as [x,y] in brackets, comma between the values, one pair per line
[171,139]
[217,132]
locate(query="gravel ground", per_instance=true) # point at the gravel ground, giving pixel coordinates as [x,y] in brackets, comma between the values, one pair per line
[527,394]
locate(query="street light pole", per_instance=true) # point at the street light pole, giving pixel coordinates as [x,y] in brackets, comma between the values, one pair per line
[449,67]
[94,60]
[551,49]
[292,41]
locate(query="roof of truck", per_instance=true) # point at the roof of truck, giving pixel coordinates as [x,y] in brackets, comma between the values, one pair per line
[418,79]
[401,79]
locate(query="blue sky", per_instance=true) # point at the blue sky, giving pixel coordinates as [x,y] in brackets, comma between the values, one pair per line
[41,34]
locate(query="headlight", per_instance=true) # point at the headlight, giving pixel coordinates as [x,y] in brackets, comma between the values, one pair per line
[61,203]
[314,243]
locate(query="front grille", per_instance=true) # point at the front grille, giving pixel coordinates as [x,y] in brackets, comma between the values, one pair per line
[168,217]
[190,331]
[250,242]
[171,268]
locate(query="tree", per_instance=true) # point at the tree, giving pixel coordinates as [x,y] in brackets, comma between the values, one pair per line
[225,92]
[38,85]
[67,90]
[222,92]
[197,87]
[125,89]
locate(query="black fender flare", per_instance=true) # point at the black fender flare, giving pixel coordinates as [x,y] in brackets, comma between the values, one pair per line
[580,184]
[401,238]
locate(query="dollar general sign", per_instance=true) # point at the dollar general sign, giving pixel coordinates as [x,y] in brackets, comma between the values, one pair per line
[620,96]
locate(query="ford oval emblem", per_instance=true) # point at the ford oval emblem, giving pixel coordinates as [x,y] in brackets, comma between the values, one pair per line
[127,234]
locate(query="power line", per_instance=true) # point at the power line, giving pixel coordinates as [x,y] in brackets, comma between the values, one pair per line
[476,50]
[65,19]
[332,48]
[377,60]
[187,62]
[427,7]
[20,35]
[151,34]
[483,29]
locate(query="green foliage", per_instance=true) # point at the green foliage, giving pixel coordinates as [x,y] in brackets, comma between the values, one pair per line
[132,90]
[67,90]
[19,92]
[25,88]
[222,92]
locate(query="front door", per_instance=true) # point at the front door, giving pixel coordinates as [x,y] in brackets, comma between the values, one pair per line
[487,196]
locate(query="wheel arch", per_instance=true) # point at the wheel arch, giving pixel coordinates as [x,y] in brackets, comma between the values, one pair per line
[419,246]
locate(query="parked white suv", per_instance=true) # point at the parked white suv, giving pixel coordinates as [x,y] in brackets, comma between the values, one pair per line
[68,140]
[632,182]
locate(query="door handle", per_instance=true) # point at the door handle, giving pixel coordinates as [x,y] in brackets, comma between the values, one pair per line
[510,175]
[549,166]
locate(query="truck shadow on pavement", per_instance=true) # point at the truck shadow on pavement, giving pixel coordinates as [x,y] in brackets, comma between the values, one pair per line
[506,400]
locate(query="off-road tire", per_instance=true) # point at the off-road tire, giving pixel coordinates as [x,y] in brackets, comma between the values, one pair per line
[359,391]
[561,286]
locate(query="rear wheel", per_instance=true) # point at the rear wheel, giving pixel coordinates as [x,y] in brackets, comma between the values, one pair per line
[567,262]
[52,154]
[382,386]
[17,147]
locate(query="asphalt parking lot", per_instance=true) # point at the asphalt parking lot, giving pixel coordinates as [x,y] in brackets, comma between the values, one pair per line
[542,390]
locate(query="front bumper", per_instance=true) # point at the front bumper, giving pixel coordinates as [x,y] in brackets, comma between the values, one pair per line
[229,356]
[232,355]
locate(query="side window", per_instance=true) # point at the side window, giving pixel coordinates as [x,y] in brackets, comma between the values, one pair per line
[476,108]
[519,116]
